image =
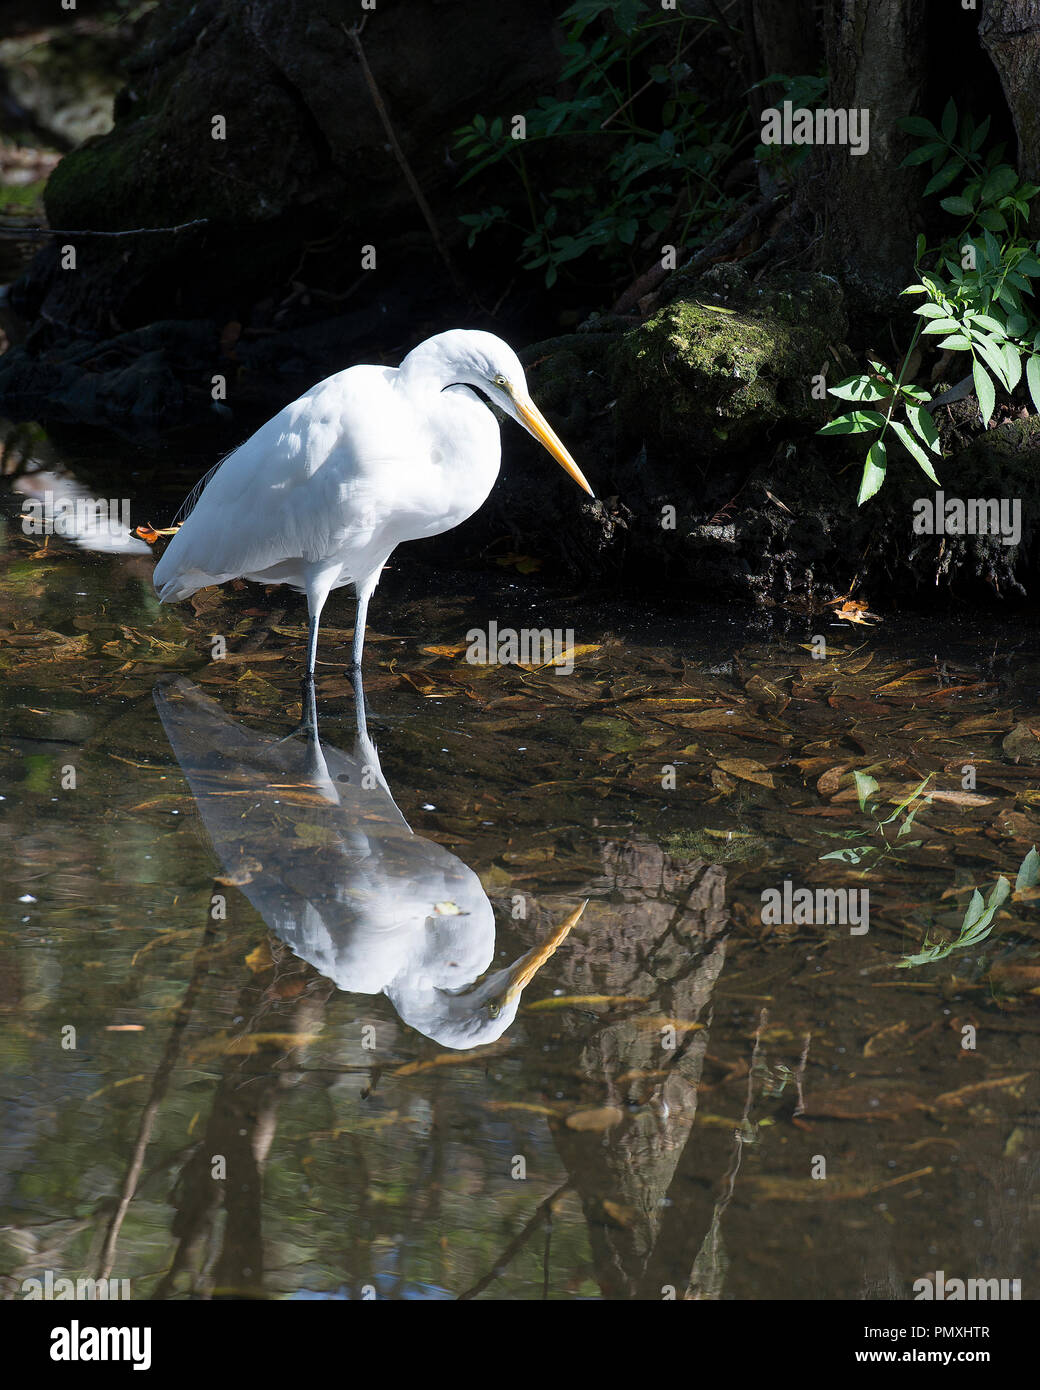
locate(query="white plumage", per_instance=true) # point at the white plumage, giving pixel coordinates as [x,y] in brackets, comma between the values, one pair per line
[320,495]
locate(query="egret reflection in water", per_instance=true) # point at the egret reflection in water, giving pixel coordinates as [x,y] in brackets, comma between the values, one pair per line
[313,838]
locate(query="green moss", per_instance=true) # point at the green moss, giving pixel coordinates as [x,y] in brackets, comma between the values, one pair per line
[715,366]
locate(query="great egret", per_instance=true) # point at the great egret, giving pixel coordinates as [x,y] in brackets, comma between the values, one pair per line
[320,495]
[317,844]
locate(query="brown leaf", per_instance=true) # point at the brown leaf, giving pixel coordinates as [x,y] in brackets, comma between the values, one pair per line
[1022,743]
[828,783]
[595,1121]
[881,1041]
[747,770]
[956,798]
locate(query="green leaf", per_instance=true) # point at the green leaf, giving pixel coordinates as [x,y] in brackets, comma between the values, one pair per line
[925,427]
[949,120]
[960,207]
[986,321]
[873,472]
[942,325]
[946,175]
[1012,365]
[1033,379]
[1029,871]
[930,311]
[985,390]
[923,154]
[912,797]
[994,358]
[865,788]
[956,342]
[992,220]
[914,449]
[979,138]
[859,388]
[1000,181]
[855,422]
[917,125]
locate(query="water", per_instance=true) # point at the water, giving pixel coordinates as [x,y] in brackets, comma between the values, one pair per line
[332,1022]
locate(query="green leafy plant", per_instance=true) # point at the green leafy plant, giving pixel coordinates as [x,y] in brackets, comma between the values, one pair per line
[978,294]
[877,842]
[979,917]
[648,180]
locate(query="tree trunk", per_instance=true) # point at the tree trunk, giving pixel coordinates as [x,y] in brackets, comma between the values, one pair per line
[877,57]
[1010,33]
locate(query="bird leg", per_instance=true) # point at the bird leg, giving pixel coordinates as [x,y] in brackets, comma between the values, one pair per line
[309,722]
[360,619]
[312,648]
[359,703]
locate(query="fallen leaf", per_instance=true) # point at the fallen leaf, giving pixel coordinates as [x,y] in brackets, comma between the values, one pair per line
[747,770]
[595,1121]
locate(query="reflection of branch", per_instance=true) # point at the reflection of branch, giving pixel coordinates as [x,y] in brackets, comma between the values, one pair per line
[710,1253]
[542,1212]
[800,1074]
[155,1097]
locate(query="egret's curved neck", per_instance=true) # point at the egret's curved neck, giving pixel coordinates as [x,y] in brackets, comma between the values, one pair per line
[429,369]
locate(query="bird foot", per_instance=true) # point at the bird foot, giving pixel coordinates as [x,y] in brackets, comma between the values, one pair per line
[309,723]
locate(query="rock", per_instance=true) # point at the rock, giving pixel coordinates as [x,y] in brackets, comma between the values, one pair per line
[698,431]
[304,176]
[725,361]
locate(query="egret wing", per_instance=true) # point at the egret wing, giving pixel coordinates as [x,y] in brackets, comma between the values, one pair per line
[320,481]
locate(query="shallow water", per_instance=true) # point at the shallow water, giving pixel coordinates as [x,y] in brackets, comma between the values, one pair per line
[266,1019]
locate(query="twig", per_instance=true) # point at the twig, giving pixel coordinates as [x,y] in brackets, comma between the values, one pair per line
[160,1081]
[721,244]
[651,81]
[542,1212]
[354,35]
[130,231]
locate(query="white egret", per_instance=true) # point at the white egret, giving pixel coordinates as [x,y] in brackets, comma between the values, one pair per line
[315,841]
[320,496]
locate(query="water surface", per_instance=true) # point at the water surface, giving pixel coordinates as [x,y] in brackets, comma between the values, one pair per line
[328,1020]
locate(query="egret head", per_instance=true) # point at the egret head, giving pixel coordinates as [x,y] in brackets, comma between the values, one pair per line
[469,357]
[477,1014]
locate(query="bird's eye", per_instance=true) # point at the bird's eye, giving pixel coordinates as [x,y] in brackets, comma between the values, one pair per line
[500,380]
[494,1010]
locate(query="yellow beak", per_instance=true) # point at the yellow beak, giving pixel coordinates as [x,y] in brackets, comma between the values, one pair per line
[529,964]
[539,426]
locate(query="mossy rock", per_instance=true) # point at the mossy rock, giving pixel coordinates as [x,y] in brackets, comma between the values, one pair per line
[728,359]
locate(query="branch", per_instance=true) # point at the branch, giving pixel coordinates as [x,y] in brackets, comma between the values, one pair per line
[354,35]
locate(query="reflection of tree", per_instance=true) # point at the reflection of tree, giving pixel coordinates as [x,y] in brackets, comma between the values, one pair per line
[664,944]
[240,1129]
[227,1260]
